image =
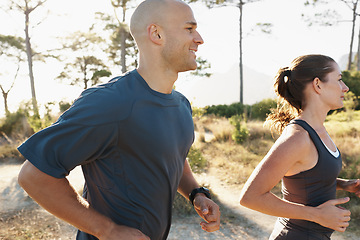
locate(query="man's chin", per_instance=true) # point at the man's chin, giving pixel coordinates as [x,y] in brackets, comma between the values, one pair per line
[188,69]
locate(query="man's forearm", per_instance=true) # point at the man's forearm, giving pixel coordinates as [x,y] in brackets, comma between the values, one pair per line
[187,182]
[59,198]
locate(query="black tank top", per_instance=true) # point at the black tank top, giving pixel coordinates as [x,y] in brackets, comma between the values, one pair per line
[314,186]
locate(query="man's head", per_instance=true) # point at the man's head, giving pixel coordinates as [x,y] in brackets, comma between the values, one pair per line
[166,29]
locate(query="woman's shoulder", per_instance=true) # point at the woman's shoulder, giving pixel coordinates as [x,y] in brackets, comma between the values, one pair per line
[294,138]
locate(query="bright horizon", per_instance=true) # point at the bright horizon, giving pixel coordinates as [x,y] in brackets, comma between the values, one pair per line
[219,28]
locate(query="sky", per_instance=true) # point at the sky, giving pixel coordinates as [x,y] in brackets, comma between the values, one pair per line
[219,27]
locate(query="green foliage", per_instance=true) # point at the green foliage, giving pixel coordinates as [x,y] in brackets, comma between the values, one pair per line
[257,111]
[84,67]
[196,160]
[350,103]
[241,132]
[198,112]
[352,80]
[198,163]
[260,110]
[13,123]
[99,74]
[7,42]
[63,106]
[343,117]
[202,66]
[120,38]
[226,110]
[38,123]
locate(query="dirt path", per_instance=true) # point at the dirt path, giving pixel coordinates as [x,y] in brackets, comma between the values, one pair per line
[246,224]
[19,215]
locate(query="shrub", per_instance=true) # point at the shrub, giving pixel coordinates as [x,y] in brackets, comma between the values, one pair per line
[38,123]
[241,132]
[196,160]
[260,110]
[63,106]
[15,125]
[226,110]
[350,104]
[352,80]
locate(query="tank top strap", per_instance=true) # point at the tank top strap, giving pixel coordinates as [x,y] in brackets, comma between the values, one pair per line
[313,134]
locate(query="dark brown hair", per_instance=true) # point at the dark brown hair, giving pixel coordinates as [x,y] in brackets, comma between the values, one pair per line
[289,86]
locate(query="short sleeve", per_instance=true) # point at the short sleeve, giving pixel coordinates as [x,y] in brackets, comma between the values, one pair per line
[61,147]
[85,132]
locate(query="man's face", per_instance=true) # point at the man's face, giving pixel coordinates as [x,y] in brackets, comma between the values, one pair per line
[181,39]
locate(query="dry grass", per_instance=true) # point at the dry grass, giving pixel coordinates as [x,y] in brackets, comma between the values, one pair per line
[219,128]
[34,223]
[9,154]
[233,162]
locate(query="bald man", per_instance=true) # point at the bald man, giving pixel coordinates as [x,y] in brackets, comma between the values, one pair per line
[131,137]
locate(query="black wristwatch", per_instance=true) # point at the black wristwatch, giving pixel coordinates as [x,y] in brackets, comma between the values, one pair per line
[199,190]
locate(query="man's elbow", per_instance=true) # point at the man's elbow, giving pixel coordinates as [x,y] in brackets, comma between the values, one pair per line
[25,174]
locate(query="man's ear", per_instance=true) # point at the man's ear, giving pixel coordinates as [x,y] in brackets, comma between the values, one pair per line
[154,34]
[316,83]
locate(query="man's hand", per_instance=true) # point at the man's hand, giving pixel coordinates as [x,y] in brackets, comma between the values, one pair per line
[121,232]
[209,211]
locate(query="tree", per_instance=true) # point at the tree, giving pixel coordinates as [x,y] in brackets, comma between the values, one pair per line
[239,4]
[330,17]
[84,68]
[202,66]
[27,8]
[121,46]
[352,80]
[12,50]
[123,32]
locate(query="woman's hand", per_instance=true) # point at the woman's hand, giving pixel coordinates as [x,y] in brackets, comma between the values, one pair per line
[331,216]
[351,185]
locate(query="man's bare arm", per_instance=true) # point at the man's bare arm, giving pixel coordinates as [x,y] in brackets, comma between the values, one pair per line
[59,198]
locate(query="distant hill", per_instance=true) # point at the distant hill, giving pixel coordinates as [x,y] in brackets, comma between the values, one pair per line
[343,61]
[224,88]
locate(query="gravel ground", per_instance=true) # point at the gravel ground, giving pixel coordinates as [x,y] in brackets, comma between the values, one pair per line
[21,218]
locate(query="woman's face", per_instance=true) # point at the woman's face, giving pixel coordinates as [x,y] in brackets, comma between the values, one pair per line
[334,88]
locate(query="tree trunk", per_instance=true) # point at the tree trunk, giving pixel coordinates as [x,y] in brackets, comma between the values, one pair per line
[29,58]
[358,53]
[123,47]
[352,36]
[240,59]
[5,95]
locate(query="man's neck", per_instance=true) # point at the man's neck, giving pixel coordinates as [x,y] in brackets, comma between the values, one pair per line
[158,80]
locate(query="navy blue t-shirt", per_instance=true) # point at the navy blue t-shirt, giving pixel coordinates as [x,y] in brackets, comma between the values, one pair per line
[131,142]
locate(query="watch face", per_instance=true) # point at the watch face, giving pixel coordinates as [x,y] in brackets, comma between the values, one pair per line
[205,189]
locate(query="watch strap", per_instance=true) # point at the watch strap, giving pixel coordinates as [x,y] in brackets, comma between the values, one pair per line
[199,190]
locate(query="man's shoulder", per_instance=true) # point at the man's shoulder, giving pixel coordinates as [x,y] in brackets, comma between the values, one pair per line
[108,102]
[182,98]
[120,84]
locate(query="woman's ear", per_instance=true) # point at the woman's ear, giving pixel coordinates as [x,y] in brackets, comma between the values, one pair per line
[154,34]
[316,83]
